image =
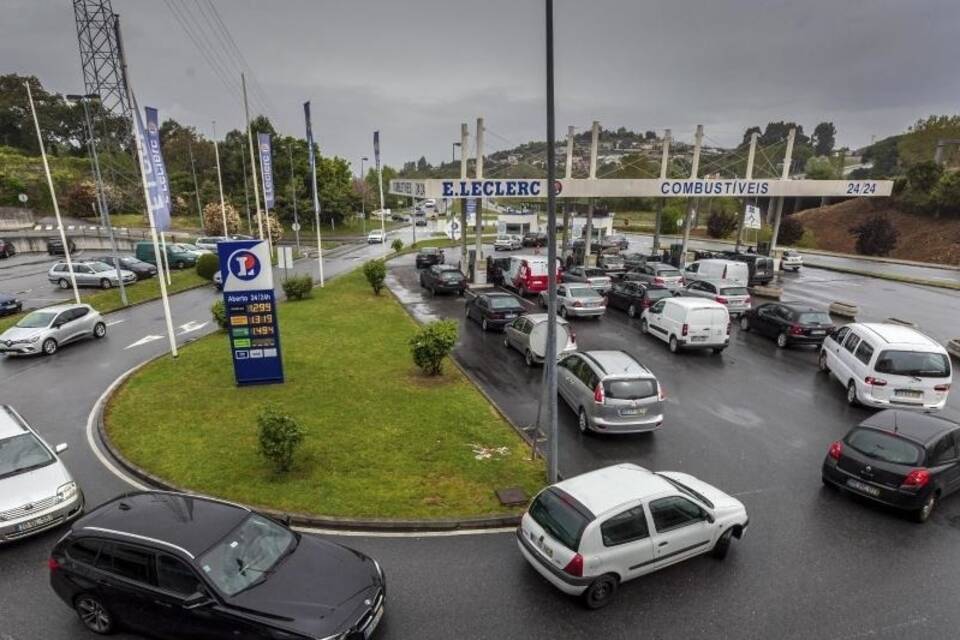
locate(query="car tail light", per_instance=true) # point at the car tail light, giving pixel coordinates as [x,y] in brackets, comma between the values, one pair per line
[53,564]
[604,300]
[746,300]
[578,304]
[575,566]
[573,336]
[916,479]
[875,382]
[796,330]
[658,280]
[942,387]
[721,299]
[598,395]
[836,450]
[685,329]
[661,392]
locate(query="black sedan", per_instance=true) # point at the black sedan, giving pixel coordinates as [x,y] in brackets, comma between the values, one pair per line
[140,268]
[7,249]
[443,278]
[493,310]
[9,305]
[429,256]
[634,297]
[55,246]
[534,239]
[788,323]
[903,459]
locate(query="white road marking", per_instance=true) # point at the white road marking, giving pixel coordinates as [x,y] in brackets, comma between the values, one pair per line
[143,341]
[91,420]
[193,325]
[113,322]
[404,534]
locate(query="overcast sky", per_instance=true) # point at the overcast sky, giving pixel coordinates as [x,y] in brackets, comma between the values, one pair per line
[415,69]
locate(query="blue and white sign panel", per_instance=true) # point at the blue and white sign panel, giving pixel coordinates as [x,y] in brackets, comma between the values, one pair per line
[251,311]
[266,168]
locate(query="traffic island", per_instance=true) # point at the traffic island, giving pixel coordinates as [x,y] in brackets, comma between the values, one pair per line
[844,309]
[384,446]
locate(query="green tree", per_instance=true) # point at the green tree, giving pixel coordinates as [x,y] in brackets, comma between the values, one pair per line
[824,138]
[923,176]
[820,168]
[885,157]
[946,194]
[422,164]
[876,236]
[920,143]
[432,343]
[790,232]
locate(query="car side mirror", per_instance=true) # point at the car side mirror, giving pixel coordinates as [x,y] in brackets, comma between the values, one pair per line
[710,518]
[60,448]
[197,600]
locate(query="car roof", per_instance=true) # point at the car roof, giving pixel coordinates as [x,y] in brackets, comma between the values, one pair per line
[500,295]
[896,334]
[57,308]
[799,307]
[190,523]
[610,487]
[537,318]
[920,427]
[695,303]
[616,363]
[11,424]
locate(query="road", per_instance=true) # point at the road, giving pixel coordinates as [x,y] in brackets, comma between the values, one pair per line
[756,421]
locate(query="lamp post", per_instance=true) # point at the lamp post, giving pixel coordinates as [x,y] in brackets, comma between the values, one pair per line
[363,195]
[453,152]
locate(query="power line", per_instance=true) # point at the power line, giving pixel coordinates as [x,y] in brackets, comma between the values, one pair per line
[214,66]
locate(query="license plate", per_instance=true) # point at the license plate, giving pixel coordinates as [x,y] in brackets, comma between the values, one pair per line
[36,522]
[863,487]
[510,316]
[909,393]
[633,412]
[817,332]
[373,625]
[698,339]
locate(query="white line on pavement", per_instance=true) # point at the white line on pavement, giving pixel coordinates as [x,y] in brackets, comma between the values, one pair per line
[92,418]
[144,340]
[113,322]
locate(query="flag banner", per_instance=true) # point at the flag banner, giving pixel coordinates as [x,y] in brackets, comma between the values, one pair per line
[266,168]
[376,148]
[313,159]
[158,184]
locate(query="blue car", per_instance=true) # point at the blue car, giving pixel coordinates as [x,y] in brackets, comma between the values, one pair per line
[9,305]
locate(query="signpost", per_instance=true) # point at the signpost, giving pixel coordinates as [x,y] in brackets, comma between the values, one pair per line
[251,311]
[751,217]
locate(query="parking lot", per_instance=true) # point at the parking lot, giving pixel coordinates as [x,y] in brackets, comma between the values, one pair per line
[24,276]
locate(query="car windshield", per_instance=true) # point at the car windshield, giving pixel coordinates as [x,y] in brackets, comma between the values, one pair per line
[130,262]
[451,275]
[657,294]
[581,292]
[247,554]
[22,453]
[429,251]
[814,317]
[734,291]
[668,273]
[594,273]
[687,490]
[882,446]
[630,389]
[503,303]
[36,320]
[613,260]
[913,363]
[559,518]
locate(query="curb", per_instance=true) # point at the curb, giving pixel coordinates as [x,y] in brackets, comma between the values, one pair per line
[953,347]
[299,519]
[940,284]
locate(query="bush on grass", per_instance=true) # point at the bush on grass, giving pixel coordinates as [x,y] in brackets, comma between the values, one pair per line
[219,311]
[790,232]
[876,236]
[375,272]
[397,245]
[432,343]
[207,265]
[280,437]
[298,287]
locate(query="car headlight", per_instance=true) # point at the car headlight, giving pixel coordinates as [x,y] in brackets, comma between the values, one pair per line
[379,568]
[66,491]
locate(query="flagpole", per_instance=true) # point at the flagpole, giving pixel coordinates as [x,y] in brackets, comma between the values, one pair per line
[138,136]
[313,186]
[253,158]
[164,259]
[223,206]
[383,229]
[53,195]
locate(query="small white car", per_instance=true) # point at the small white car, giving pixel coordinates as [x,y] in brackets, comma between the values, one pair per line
[376,237]
[791,261]
[588,534]
[688,323]
[507,243]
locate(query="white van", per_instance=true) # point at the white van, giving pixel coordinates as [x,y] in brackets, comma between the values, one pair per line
[528,274]
[688,323]
[888,366]
[716,271]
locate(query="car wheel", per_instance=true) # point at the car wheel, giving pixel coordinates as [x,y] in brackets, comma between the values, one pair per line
[483,325]
[600,592]
[541,301]
[528,358]
[822,362]
[63,283]
[722,547]
[923,513]
[49,346]
[99,330]
[94,615]
[744,323]
[717,350]
[506,343]
[632,311]
[782,341]
[644,327]
[674,345]
[852,394]
[563,312]
[105,283]
[582,422]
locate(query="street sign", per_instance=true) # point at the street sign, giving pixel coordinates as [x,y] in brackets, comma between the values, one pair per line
[23,198]
[285,258]
[471,207]
[251,311]
[751,217]
[295,226]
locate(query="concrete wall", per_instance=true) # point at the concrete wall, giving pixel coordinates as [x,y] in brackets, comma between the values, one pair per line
[96,238]
[12,218]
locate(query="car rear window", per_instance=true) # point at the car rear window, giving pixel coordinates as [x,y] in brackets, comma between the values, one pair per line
[503,303]
[657,294]
[668,273]
[558,516]
[814,317]
[630,389]
[913,363]
[537,268]
[594,273]
[884,446]
[581,292]
[734,291]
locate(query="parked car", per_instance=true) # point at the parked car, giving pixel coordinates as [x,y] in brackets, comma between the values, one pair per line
[633,261]
[89,274]
[634,297]
[888,366]
[507,243]
[429,256]
[588,534]
[218,280]
[528,335]
[577,300]
[789,323]
[659,273]
[55,246]
[496,267]
[791,261]
[717,271]
[733,296]
[36,490]
[688,323]
[595,277]
[761,268]
[443,278]
[182,566]
[210,242]
[902,459]
[7,249]
[610,392]
[614,241]
[612,264]
[46,330]
[376,237]
[194,249]
[534,239]
[177,257]
[9,305]
[139,268]
[493,310]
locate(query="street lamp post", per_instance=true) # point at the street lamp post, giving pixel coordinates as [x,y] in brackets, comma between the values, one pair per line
[453,152]
[363,195]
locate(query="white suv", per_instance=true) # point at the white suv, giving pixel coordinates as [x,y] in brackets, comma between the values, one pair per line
[888,366]
[36,490]
[588,534]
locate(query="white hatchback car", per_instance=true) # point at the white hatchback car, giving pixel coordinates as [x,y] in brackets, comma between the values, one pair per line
[588,534]
[376,237]
[791,261]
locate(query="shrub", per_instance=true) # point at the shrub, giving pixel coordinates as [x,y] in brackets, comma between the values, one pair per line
[432,343]
[207,265]
[790,232]
[946,194]
[81,199]
[280,437]
[375,272]
[876,236]
[397,245]
[213,219]
[923,176]
[721,224]
[298,287]
[219,312]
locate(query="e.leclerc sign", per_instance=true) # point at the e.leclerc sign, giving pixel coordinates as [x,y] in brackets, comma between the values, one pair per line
[251,311]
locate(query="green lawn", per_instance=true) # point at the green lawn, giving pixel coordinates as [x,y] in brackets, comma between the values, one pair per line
[382,440]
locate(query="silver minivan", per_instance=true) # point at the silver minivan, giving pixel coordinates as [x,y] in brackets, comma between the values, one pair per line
[36,490]
[610,392]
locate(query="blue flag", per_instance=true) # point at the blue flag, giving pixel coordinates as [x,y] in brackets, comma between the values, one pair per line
[158,185]
[266,168]
[313,160]
[376,148]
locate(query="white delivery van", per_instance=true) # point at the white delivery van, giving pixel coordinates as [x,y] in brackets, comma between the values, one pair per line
[528,274]
[716,271]
[688,323]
